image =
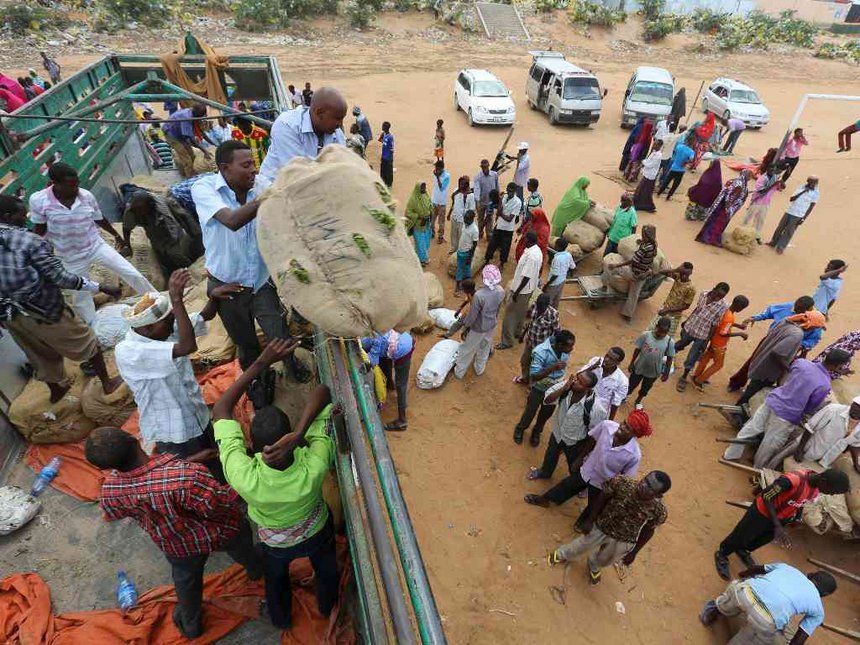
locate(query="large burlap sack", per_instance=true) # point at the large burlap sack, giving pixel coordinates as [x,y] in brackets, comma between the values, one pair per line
[39,421]
[213,348]
[741,240]
[628,245]
[110,326]
[573,249]
[600,217]
[435,294]
[328,233]
[425,327]
[619,279]
[584,235]
[107,409]
[17,508]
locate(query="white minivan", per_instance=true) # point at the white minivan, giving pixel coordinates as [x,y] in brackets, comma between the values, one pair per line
[565,92]
[649,94]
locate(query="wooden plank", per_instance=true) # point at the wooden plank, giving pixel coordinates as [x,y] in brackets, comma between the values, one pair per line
[743,467]
[853,577]
[743,505]
[847,633]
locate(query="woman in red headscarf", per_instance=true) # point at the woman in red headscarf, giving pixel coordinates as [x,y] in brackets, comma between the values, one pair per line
[703,135]
[540,225]
[639,151]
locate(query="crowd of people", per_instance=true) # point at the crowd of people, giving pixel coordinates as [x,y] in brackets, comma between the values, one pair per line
[15,93]
[186,495]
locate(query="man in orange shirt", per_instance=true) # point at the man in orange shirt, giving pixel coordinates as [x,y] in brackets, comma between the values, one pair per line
[716,352]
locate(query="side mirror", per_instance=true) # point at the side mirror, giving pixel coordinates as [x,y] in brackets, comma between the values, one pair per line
[627,93]
[605,92]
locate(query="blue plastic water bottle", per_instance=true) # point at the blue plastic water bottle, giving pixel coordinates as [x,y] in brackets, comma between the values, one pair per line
[46,476]
[126,593]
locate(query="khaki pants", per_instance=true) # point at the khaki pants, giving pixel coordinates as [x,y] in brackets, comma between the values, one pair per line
[515,317]
[737,599]
[633,292]
[183,156]
[775,431]
[476,346]
[554,294]
[47,343]
[603,549]
[526,360]
[437,221]
[456,231]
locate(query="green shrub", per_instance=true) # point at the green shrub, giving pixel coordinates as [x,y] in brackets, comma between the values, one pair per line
[592,13]
[652,9]
[848,50]
[665,24]
[545,6]
[273,14]
[360,13]
[111,15]
[759,30]
[21,18]
[708,22]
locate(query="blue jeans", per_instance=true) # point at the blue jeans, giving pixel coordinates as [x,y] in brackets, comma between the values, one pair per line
[698,348]
[320,548]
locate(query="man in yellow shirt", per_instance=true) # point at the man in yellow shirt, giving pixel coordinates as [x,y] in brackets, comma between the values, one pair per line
[282,484]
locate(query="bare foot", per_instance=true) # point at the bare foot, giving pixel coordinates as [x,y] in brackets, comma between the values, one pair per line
[58,391]
[112,384]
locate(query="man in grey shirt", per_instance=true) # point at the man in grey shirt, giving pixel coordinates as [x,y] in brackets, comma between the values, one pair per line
[479,324]
[772,358]
[484,182]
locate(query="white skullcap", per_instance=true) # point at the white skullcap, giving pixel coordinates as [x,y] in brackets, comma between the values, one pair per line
[158,310]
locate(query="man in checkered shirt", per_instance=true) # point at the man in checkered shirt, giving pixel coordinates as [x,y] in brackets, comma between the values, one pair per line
[185,511]
[699,327]
[32,308]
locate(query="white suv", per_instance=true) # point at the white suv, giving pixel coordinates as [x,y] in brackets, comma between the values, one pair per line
[729,98]
[484,98]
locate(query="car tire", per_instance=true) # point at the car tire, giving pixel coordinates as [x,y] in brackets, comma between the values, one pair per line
[456,103]
[726,116]
[705,105]
[553,119]
[470,119]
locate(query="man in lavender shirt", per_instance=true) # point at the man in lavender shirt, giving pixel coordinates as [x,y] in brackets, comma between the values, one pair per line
[784,409]
[613,450]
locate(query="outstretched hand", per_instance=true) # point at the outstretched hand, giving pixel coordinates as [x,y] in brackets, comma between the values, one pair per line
[277,350]
[179,279]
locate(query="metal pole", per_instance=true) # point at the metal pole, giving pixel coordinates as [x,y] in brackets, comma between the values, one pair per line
[802,106]
[423,602]
[170,87]
[378,529]
[693,106]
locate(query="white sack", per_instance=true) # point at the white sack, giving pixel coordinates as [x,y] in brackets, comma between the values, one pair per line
[442,318]
[436,365]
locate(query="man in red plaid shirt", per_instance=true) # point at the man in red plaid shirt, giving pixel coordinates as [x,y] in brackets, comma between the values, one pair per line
[186,512]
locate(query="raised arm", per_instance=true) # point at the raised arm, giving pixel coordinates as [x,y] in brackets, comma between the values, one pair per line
[318,398]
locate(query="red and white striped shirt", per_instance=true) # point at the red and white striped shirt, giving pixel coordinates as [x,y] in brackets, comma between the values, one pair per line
[72,231]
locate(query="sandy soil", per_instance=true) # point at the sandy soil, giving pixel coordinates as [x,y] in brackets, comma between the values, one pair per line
[462,475]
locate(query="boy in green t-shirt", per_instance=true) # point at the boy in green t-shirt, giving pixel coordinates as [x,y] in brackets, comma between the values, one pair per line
[624,223]
[282,484]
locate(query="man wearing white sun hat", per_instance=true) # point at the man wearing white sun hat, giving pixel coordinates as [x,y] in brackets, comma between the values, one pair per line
[153,359]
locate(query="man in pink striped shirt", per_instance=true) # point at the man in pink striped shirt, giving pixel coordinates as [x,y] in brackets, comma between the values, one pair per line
[67,215]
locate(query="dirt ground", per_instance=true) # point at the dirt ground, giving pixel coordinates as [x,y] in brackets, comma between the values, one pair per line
[462,475]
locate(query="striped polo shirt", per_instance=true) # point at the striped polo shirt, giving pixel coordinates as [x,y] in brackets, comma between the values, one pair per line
[72,231]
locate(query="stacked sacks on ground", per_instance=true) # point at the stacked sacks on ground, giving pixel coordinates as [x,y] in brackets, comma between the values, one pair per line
[40,421]
[338,253]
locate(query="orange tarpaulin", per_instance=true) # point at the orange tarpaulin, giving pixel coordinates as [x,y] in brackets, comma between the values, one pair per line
[210,85]
[230,599]
[79,479]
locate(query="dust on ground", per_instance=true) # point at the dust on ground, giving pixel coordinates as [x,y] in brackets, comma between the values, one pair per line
[462,475]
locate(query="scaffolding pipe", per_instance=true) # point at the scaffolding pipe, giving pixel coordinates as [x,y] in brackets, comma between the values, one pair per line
[423,603]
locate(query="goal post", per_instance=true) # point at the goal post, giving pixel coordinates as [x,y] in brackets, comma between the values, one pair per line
[802,106]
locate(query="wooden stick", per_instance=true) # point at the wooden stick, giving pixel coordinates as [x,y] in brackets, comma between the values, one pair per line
[847,633]
[743,505]
[744,467]
[723,406]
[853,577]
[744,442]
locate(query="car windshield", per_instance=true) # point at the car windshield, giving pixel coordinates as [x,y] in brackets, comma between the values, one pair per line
[651,92]
[744,96]
[489,88]
[581,88]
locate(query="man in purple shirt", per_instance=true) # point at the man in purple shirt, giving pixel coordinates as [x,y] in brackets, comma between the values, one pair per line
[783,411]
[610,449]
[179,133]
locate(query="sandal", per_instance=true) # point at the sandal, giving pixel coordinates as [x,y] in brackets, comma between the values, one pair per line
[682,385]
[519,380]
[536,500]
[535,473]
[501,346]
[552,559]
[593,577]
[395,426]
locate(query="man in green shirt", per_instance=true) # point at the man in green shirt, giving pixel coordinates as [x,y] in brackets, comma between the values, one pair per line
[623,224]
[282,484]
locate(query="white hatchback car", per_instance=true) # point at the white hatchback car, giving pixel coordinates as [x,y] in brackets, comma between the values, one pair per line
[484,98]
[729,98]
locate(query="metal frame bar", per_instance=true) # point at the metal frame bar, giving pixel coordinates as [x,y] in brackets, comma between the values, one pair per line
[802,106]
